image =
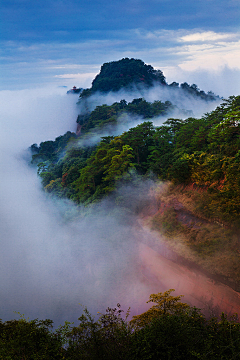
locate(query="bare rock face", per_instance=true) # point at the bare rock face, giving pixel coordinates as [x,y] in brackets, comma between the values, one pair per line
[79,128]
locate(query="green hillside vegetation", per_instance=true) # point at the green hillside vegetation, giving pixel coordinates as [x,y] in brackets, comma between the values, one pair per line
[109,114]
[124,73]
[198,159]
[169,330]
[129,74]
[204,152]
[193,154]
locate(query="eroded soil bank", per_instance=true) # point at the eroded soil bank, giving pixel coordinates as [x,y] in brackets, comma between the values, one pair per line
[196,256]
[210,296]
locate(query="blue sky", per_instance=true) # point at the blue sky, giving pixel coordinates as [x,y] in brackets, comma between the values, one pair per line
[64,42]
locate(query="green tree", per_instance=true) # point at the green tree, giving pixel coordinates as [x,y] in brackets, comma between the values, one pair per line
[30,340]
[225,136]
[140,139]
[107,337]
[120,164]
[165,304]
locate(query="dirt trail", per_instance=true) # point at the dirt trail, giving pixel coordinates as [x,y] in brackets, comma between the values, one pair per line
[198,290]
[161,265]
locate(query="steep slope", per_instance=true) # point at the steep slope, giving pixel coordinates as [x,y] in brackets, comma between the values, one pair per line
[134,73]
[208,244]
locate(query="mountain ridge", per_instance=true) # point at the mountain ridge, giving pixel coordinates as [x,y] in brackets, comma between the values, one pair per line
[129,73]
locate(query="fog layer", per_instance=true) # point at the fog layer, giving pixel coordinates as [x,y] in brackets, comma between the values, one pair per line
[49,265]
[178,97]
[185,106]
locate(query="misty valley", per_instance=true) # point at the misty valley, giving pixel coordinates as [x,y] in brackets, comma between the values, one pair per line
[140,198]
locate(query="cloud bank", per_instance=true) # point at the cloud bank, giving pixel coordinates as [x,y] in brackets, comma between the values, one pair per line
[49,265]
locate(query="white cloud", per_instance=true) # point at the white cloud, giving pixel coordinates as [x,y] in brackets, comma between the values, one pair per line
[83,79]
[206,36]
[210,56]
[224,81]
[60,63]
[49,266]
[81,67]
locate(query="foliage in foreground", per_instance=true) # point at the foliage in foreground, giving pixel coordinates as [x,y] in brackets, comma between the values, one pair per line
[23,339]
[170,330]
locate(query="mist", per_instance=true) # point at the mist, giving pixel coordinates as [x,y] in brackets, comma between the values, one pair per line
[178,97]
[186,106]
[55,256]
[50,265]
[223,81]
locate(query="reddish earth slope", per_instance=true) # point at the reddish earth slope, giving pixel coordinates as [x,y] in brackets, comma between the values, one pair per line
[199,290]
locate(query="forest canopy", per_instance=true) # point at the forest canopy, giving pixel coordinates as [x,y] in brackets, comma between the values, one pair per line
[134,73]
[195,152]
[203,151]
[170,329]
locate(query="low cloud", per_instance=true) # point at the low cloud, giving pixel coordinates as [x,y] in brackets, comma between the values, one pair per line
[54,255]
[177,97]
[224,81]
[49,264]
[84,80]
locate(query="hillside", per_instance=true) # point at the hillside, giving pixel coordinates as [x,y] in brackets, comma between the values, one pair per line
[199,241]
[198,211]
[204,152]
[133,73]
[123,73]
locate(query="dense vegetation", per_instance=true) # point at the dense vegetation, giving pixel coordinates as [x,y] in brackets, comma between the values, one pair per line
[109,115]
[131,73]
[169,330]
[124,73]
[84,173]
[203,151]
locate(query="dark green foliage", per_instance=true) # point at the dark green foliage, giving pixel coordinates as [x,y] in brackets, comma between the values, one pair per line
[215,165]
[140,139]
[51,150]
[202,151]
[132,73]
[105,166]
[191,136]
[187,336]
[123,73]
[108,114]
[161,154]
[180,333]
[59,167]
[31,340]
[86,173]
[148,110]
[100,116]
[179,170]
[104,339]
[195,91]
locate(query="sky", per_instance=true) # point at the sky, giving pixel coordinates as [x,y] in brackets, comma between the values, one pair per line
[65,42]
